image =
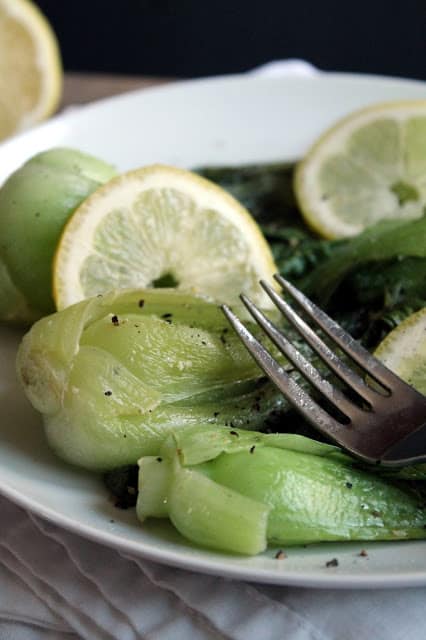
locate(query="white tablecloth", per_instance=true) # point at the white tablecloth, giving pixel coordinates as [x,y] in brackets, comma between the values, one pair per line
[55,585]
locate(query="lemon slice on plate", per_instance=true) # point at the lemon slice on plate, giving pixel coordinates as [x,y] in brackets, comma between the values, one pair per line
[161,227]
[369,166]
[30,67]
[404,350]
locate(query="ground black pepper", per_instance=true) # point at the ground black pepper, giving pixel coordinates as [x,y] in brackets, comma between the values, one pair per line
[332,563]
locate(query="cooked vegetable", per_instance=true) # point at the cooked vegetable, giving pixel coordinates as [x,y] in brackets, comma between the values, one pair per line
[369,283]
[266,190]
[384,241]
[237,491]
[35,203]
[114,375]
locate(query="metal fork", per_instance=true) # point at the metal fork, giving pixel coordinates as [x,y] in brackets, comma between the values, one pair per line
[387,426]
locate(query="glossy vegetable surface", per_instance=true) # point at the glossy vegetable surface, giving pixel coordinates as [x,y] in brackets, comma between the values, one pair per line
[237,491]
[113,375]
[35,203]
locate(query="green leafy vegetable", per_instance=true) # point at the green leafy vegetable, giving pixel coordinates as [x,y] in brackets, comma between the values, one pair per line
[266,190]
[113,375]
[385,241]
[369,283]
[237,491]
[375,298]
[35,203]
[123,485]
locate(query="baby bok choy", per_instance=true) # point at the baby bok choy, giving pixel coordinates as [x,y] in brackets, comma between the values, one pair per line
[113,375]
[35,203]
[237,490]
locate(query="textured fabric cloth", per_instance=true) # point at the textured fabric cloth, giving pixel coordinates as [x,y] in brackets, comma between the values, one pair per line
[57,585]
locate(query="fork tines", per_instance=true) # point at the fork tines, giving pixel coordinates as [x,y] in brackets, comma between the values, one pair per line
[357,418]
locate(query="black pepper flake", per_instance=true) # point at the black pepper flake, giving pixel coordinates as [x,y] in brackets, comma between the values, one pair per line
[115,321]
[252,448]
[363,553]
[234,433]
[280,555]
[216,413]
[159,459]
[203,342]
[332,563]
[108,393]
[222,339]
[349,485]
[167,317]
[141,303]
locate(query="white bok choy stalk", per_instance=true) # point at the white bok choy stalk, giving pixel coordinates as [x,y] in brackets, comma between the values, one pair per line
[113,375]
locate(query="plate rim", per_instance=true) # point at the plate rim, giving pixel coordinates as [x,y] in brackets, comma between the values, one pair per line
[296,578]
[302,578]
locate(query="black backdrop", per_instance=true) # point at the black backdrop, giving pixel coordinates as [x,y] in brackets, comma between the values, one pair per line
[194,37]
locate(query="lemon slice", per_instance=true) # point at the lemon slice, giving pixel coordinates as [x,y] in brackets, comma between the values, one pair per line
[161,227]
[370,166]
[404,350]
[30,68]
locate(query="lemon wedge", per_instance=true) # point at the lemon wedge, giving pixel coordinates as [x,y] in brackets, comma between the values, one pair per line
[404,350]
[30,67]
[160,226]
[368,167]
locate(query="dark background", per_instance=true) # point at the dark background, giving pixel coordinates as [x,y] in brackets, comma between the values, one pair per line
[188,38]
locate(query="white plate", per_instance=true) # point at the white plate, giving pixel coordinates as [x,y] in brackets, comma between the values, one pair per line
[215,121]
